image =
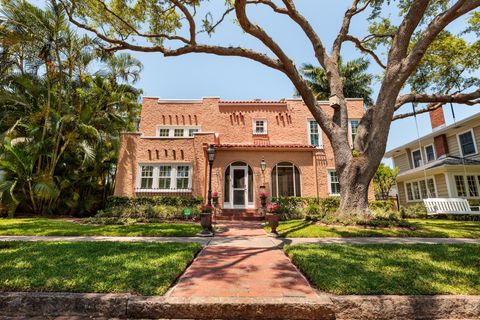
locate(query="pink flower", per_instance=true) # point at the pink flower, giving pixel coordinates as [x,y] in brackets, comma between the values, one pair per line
[215,194]
[207,208]
[263,194]
[273,208]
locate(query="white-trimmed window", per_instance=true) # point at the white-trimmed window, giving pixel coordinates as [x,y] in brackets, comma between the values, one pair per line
[430,153]
[146,177]
[314,134]
[467,185]
[176,131]
[165,177]
[417,190]
[417,160]
[259,126]
[333,183]
[286,180]
[466,142]
[353,124]
[163,132]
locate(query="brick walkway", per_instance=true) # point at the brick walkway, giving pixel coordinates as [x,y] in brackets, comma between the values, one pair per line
[242,271]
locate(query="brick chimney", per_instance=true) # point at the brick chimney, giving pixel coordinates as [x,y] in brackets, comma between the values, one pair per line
[437,118]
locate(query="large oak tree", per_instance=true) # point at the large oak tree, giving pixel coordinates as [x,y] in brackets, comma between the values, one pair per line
[415,52]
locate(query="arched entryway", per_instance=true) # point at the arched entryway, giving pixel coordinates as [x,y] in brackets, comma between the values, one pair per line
[286,180]
[238,186]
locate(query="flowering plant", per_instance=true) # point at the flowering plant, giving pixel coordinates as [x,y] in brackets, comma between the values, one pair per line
[273,208]
[207,208]
[263,195]
[215,194]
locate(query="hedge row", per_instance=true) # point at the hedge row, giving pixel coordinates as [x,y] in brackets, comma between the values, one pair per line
[176,201]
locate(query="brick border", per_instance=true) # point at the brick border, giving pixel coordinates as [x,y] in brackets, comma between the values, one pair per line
[122,306]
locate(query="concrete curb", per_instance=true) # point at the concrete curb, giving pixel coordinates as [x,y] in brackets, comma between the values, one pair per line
[32,305]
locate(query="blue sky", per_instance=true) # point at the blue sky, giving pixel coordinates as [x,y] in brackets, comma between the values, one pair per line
[198,75]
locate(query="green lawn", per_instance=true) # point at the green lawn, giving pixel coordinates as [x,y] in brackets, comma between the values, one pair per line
[142,268]
[433,228]
[55,227]
[390,269]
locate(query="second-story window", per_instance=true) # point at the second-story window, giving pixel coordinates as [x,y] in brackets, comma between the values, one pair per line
[467,143]
[191,132]
[430,153]
[417,158]
[314,134]
[259,126]
[353,130]
[163,132]
[178,132]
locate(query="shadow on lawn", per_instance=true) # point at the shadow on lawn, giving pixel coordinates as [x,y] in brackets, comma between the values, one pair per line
[390,269]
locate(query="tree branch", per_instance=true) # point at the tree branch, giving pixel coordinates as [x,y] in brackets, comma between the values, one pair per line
[462,98]
[359,46]
[345,28]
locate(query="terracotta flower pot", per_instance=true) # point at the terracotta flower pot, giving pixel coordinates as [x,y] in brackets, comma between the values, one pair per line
[206,220]
[272,221]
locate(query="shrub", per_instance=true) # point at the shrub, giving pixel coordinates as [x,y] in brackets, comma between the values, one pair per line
[289,207]
[416,210]
[178,201]
[312,211]
[380,204]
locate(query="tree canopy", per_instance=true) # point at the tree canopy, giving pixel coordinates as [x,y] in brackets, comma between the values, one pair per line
[63,103]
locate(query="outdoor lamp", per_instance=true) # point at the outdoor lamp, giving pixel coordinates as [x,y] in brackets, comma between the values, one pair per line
[211,153]
[334,101]
[263,164]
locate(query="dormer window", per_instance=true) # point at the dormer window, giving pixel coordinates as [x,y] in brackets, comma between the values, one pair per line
[259,126]
[430,152]
[466,140]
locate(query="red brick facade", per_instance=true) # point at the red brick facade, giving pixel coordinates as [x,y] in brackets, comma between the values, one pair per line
[230,127]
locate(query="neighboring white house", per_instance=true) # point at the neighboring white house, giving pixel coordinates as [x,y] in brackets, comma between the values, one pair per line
[444,163]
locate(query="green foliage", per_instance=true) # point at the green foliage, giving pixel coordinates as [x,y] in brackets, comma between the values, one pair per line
[384,179]
[63,104]
[384,205]
[177,201]
[416,210]
[357,82]
[401,269]
[104,267]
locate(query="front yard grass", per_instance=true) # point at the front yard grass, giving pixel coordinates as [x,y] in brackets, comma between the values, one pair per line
[106,267]
[425,228]
[403,269]
[57,227]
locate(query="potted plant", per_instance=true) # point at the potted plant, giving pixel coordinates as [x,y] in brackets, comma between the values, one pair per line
[206,220]
[215,198]
[263,199]
[273,217]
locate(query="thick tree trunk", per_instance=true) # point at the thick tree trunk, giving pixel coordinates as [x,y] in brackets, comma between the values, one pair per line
[354,184]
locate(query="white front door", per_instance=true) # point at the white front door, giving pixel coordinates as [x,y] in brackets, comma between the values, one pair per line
[239,187]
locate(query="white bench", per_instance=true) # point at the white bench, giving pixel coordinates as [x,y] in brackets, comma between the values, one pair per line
[449,206]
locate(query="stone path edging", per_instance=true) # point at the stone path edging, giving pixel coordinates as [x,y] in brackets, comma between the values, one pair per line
[126,306]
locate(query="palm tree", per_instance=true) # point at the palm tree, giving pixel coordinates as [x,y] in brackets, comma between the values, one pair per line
[64,117]
[356,81]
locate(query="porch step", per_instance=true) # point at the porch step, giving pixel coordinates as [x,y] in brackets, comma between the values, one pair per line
[239,215]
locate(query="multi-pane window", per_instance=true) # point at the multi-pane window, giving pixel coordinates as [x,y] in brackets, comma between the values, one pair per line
[472,186]
[416,158]
[334,183]
[314,134]
[460,185]
[146,180]
[353,130]
[165,177]
[467,143]
[259,126]
[183,173]
[430,153]
[191,132]
[467,186]
[285,180]
[162,132]
[420,189]
[178,132]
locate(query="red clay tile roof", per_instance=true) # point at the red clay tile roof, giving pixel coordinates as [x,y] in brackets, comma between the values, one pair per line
[256,101]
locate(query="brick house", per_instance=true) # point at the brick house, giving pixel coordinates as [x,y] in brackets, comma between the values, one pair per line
[168,154]
[444,163]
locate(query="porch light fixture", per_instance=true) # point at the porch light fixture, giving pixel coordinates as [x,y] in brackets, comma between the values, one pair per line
[211,153]
[334,101]
[263,164]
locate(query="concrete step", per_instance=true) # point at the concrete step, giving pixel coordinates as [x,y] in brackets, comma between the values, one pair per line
[239,215]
